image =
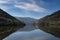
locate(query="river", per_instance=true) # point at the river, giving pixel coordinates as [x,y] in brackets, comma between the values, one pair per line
[36,34]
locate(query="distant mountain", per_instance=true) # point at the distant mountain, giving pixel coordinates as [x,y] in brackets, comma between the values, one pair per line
[50,23]
[29,23]
[27,19]
[8,24]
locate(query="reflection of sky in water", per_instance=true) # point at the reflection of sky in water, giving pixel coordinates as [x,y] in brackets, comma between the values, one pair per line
[31,35]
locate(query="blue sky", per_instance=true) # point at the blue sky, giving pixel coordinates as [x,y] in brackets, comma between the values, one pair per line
[30,8]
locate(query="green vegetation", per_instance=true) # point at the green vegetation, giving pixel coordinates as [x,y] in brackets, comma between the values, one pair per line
[8,24]
[50,23]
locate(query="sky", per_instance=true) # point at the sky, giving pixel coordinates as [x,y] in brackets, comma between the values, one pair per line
[30,8]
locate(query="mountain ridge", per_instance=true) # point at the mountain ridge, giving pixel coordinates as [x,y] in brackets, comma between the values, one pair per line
[50,23]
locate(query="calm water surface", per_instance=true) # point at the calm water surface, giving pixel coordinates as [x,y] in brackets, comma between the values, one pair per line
[31,35]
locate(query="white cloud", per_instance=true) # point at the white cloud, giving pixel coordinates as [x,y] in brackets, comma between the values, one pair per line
[25,5]
[4,1]
[30,6]
[7,1]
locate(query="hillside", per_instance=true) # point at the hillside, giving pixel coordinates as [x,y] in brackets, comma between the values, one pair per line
[8,24]
[50,23]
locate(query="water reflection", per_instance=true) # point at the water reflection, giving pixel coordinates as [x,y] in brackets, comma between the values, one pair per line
[31,35]
[28,28]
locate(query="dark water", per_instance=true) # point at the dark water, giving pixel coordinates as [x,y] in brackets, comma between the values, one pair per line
[31,35]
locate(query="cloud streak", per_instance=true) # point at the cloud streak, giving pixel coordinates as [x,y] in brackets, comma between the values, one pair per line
[4,1]
[24,5]
[30,6]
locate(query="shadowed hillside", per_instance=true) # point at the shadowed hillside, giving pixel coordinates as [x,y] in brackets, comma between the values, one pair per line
[8,24]
[50,23]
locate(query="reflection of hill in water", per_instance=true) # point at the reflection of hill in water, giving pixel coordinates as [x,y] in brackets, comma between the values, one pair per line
[50,23]
[31,35]
[27,28]
[29,23]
